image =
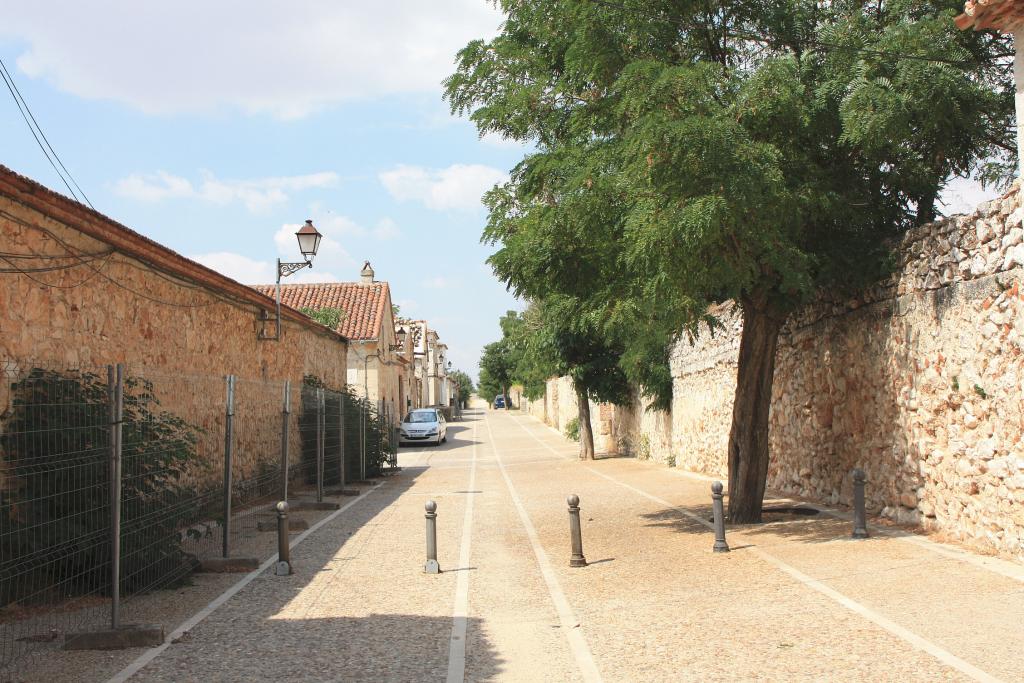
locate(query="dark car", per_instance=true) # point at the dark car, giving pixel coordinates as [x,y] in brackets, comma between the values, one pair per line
[499,401]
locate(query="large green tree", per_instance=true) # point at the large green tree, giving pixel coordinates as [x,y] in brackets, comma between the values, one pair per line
[695,152]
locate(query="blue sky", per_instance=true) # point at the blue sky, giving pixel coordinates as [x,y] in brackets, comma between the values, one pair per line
[218,131]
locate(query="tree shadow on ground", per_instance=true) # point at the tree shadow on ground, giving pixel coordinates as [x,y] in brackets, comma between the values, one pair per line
[820,528]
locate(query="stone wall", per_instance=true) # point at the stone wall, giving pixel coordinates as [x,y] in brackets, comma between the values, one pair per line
[920,381]
[560,406]
[169,320]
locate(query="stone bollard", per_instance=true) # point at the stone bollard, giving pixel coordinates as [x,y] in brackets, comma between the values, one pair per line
[860,523]
[719,515]
[284,555]
[577,559]
[431,566]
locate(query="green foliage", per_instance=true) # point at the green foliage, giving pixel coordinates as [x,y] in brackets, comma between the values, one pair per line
[572,429]
[956,383]
[465,383]
[980,391]
[328,317]
[757,152]
[57,496]
[496,367]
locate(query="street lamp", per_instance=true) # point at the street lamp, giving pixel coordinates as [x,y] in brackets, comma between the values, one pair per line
[400,335]
[309,242]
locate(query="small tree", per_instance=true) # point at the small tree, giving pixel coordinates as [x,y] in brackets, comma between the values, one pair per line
[465,384]
[496,366]
[328,317]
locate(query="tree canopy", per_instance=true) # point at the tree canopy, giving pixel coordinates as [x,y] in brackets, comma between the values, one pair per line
[696,152]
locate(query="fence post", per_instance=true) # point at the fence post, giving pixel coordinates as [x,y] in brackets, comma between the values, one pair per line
[341,441]
[229,420]
[286,410]
[115,391]
[320,423]
[364,408]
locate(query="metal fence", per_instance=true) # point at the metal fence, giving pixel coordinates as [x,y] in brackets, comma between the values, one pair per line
[115,483]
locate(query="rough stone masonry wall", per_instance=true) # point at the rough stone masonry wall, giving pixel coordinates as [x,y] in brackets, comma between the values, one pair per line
[919,381]
[80,319]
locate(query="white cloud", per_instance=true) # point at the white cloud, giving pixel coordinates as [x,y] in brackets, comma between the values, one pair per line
[257,194]
[252,272]
[343,226]
[287,59]
[238,267]
[459,186]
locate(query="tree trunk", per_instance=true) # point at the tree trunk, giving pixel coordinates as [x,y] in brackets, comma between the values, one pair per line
[748,436]
[508,399]
[586,433]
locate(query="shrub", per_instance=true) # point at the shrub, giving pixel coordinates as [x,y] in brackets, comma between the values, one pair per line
[572,429]
[55,506]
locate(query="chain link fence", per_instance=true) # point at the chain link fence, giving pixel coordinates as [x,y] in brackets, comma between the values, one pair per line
[116,482]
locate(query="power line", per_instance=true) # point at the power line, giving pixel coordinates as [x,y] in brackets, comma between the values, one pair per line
[33,126]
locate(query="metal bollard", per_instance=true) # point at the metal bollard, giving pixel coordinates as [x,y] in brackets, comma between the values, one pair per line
[577,559]
[284,555]
[719,514]
[860,525]
[431,566]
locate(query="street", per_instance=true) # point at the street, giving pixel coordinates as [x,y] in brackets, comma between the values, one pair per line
[796,599]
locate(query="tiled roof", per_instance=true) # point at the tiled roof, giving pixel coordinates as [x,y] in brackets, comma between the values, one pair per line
[365,304]
[1002,15]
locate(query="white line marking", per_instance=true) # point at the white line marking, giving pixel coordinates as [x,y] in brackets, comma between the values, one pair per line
[570,624]
[457,643]
[196,618]
[944,656]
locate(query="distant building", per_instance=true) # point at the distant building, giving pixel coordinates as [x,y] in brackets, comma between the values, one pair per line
[376,366]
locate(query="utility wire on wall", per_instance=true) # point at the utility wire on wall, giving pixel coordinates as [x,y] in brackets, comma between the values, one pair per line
[37,132]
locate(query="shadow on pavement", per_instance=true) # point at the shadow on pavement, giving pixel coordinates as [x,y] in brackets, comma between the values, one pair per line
[818,529]
[262,634]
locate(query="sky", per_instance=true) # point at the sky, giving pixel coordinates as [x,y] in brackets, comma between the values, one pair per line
[217,128]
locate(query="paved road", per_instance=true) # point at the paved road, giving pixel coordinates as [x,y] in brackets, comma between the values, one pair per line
[794,600]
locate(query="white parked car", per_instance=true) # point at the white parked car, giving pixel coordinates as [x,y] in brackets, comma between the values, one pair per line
[425,425]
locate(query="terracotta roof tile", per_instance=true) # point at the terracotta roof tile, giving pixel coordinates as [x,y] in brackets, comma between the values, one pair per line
[1002,15]
[364,304]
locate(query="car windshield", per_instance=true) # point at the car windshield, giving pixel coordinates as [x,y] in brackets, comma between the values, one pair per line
[421,416]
